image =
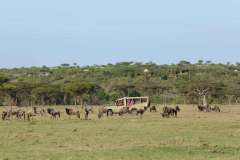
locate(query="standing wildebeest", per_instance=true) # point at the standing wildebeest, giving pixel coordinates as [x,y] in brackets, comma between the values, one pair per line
[54,114]
[140,112]
[201,108]
[120,112]
[102,111]
[21,114]
[124,110]
[87,110]
[71,112]
[30,115]
[169,111]
[215,109]
[41,112]
[153,109]
[204,108]
[100,114]
[50,110]
[6,115]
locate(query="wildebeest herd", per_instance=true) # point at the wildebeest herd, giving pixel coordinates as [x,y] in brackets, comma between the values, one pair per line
[21,114]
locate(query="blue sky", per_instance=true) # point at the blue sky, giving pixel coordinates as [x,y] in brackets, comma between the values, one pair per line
[51,32]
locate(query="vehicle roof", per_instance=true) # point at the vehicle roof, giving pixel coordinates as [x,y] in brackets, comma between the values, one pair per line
[131,98]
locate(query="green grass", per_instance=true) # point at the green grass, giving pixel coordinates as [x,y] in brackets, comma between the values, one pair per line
[191,136]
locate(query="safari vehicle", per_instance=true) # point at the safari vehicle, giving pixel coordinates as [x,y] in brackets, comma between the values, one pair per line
[129,104]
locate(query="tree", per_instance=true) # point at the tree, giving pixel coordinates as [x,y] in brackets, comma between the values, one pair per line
[208,62]
[184,63]
[182,83]
[65,65]
[200,62]
[11,90]
[78,89]
[201,86]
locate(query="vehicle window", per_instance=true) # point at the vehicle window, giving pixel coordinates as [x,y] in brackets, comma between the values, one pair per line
[120,103]
[130,102]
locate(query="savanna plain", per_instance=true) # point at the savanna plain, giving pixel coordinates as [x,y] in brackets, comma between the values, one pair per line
[192,135]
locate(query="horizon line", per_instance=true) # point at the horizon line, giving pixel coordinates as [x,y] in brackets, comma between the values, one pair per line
[75,64]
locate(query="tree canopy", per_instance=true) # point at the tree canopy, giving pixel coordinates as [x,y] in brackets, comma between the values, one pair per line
[71,84]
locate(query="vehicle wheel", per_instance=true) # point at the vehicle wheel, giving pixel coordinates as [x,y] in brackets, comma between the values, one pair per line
[109,113]
[134,111]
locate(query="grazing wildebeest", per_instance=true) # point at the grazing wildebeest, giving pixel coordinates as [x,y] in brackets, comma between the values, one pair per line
[124,110]
[50,110]
[165,115]
[35,110]
[102,111]
[41,112]
[87,110]
[204,108]
[71,112]
[176,110]
[201,108]
[215,109]
[54,114]
[140,112]
[109,112]
[6,115]
[30,115]
[21,114]
[169,111]
[13,112]
[153,109]
[100,114]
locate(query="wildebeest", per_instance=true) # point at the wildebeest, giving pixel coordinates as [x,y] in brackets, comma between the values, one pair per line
[20,114]
[100,114]
[41,111]
[169,111]
[124,110]
[140,112]
[215,109]
[165,115]
[6,115]
[50,110]
[102,111]
[203,108]
[54,114]
[208,108]
[30,115]
[109,112]
[87,110]
[153,109]
[70,112]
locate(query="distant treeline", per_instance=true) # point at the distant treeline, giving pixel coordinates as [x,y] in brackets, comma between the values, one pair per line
[182,83]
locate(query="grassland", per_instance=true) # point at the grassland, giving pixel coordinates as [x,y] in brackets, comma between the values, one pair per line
[191,136]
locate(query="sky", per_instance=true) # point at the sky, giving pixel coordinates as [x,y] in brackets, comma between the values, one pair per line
[52,32]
